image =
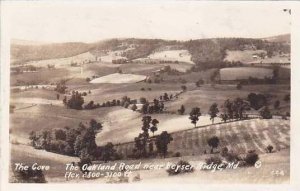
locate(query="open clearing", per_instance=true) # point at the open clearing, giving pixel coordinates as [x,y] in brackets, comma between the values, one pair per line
[65,62]
[118,78]
[252,56]
[172,55]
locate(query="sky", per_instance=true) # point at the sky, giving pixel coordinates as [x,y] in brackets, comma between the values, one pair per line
[94,21]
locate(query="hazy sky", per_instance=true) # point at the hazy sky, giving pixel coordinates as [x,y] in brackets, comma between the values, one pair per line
[88,22]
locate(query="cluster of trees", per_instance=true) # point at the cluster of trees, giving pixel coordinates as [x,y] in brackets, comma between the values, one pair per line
[61,87]
[150,108]
[120,61]
[234,109]
[124,102]
[67,140]
[210,53]
[28,176]
[77,141]
[75,101]
[257,101]
[144,145]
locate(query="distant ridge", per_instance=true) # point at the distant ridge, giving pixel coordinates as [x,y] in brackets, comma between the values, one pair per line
[284,38]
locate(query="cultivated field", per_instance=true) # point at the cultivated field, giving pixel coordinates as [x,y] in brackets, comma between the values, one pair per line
[238,136]
[239,73]
[118,78]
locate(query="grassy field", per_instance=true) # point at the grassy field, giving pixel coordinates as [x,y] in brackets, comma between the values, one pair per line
[117,78]
[204,96]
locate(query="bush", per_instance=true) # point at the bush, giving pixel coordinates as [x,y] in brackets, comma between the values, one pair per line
[214,159]
[232,157]
[177,154]
[224,151]
[251,158]
[28,176]
[180,168]
[265,113]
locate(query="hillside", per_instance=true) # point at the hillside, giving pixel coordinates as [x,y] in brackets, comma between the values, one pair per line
[206,53]
[239,136]
[284,38]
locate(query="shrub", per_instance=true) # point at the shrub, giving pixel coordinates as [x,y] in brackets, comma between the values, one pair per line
[232,157]
[239,86]
[28,176]
[265,113]
[180,168]
[177,154]
[251,158]
[224,151]
[213,160]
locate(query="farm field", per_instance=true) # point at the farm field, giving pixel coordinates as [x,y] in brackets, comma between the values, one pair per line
[244,73]
[172,55]
[251,56]
[241,136]
[117,78]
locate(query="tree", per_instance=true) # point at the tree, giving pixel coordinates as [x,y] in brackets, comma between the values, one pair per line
[95,125]
[257,101]
[143,100]
[61,87]
[57,96]
[154,123]
[76,101]
[65,100]
[269,148]
[134,107]
[287,98]
[194,115]
[166,97]
[228,109]
[144,108]
[86,140]
[224,117]
[162,142]
[183,88]
[213,142]
[142,139]
[239,86]
[213,111]
[156,106]
[199,82]
[181,110]
[265,113]
[276,104]
[108,152]
[239,107]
